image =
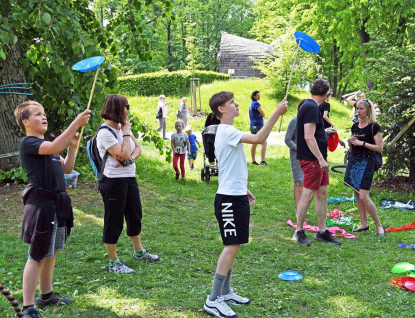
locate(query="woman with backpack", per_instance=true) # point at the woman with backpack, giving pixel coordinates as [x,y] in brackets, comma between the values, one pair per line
[118,185]
[365,142]
[182,112]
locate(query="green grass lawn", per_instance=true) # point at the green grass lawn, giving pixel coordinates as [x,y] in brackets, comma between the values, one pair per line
[179,225]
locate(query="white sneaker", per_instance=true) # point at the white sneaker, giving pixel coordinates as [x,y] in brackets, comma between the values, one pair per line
[218,308]
[120,268]
[235,299]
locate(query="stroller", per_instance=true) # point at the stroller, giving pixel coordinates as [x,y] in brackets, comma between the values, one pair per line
[208,137]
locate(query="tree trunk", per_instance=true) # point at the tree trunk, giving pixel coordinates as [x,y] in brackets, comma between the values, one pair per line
[364,38]
[169,54]
[335,67]
[11,71]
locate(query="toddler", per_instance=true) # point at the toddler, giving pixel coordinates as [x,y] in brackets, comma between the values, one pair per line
[180,145]
[193,148]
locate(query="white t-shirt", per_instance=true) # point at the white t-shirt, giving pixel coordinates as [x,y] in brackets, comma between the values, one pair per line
[180,142]
[229,152]
[163,108]
[106,140]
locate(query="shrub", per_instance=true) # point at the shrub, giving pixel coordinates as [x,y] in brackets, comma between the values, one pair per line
[172,83]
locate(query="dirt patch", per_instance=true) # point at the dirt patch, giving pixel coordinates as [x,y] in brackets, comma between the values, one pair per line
[199,114]
[397,184]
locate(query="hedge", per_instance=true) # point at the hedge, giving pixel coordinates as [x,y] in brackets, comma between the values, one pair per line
[171,83]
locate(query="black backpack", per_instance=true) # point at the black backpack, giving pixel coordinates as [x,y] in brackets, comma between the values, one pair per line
[92,152]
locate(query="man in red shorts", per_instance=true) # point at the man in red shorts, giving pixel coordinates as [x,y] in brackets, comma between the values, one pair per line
[312,153]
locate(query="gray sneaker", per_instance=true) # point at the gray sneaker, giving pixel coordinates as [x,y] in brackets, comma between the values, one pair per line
[147,257]
[55,299]
[31,312]
[301,238]
[121,268]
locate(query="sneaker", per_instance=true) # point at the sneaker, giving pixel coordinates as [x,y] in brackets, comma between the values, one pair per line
[166,138]
[218,308]
[255,163]
[191,167]
[177,176]
[120,268]
[31,312]
[326,237]
[235,299]
[147,257]
[301,238]
[55,299]
[263,163]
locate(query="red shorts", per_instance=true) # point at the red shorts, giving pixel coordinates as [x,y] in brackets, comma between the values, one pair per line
[314,176]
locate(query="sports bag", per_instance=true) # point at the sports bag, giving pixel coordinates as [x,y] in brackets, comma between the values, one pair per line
[94,158]
[378,155]
[159,113]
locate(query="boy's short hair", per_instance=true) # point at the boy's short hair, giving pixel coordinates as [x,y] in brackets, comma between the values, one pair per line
[162,96]
[219,99]
[320,87]
[113,108]
[23,111]
[188,129]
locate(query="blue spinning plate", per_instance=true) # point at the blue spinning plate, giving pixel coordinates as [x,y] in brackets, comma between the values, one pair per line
[89,64]
[290,275]
[308,44]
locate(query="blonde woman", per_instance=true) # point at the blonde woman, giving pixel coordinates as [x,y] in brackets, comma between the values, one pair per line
[365,141]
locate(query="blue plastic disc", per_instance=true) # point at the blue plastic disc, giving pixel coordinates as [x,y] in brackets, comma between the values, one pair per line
[308,44]
[89,64]
[290,275]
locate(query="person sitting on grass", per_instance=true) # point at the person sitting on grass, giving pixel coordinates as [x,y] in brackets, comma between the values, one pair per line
[180,145]
[191,156]
[118,187]
[48,208]
[233,199]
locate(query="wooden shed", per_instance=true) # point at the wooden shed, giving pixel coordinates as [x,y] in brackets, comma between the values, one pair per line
[238,54]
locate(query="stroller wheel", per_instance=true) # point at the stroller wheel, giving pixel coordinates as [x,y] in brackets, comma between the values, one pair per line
[202,174]
[207,175]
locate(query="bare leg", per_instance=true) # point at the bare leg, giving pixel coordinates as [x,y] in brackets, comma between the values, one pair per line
[111,251]
[321,208]
[46,274]
[31,275]
[253,151]
[226,259]
[371,208]
[298,190]
[305,201]
[136,240]
[263,150]
[362,211]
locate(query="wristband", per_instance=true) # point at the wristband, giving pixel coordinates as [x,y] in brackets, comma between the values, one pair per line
[126,135]
[128,162]
[364,143]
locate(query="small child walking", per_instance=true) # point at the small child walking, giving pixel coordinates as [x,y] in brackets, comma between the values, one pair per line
[193,148]
[48,208]
[180,145]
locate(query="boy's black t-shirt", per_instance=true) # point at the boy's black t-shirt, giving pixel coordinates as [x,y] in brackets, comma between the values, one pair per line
[310,113]
[364,134]
[45,171]
[325,107]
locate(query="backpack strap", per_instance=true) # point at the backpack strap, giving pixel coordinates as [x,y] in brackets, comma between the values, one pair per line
[107,154]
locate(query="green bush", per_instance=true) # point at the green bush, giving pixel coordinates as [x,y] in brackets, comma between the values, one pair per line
[171,83]
[15,175]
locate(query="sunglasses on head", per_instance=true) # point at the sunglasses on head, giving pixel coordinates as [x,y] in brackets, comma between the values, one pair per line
[128,107]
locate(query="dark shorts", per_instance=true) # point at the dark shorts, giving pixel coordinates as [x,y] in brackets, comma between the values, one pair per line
[121,198]
[314,176]
[192,155]
[232,213]
[255,129]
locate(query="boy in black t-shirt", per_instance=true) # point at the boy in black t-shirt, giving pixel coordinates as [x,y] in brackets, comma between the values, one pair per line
[48,211]
[312,154]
